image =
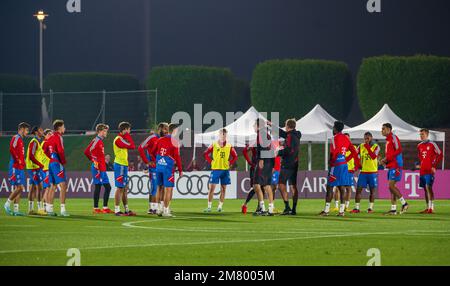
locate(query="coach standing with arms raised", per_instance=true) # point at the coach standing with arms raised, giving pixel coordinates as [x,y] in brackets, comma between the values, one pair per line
[289,164]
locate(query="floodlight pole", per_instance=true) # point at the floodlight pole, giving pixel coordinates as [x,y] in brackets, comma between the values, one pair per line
[40,57]
[41,17]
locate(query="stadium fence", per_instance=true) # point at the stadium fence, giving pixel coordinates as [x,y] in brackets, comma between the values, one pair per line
[81,111]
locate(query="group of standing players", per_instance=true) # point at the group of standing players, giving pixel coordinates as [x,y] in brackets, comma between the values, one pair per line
[273,160]
[45,163]
[273,164]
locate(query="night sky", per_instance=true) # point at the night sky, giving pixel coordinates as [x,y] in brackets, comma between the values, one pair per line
[133,35]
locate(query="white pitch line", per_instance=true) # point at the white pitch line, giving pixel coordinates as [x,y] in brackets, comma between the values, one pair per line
[195,229]
[194,243]
[200,242]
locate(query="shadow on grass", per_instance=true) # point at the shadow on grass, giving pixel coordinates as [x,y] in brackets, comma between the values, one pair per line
[73,218]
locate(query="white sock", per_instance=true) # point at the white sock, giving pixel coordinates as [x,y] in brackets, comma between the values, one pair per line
[16,207]
[116,209]
[393,207]
[153,206]
[39,205]
[49,208]
[262,206]
[402,200]
[209,205]
[30,205]
[271,208]
[220,205]
[347,204]
[161,205]
[371,206]
[327,207]
[431,205]
[63,208]
[342,208]
[336,204]
[8,203]
[166,210]
[357,206]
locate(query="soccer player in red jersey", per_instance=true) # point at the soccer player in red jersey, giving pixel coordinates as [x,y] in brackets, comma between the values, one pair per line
[54,149]
[16,174]
[252,163]
[95,152]
[44,172]
[429,157]
[394,162]
[145,149]
[338,173]
[167,154]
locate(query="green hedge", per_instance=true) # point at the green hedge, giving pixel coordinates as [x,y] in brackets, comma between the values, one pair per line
[79,111]
[18,108]
[180,87]
[417,88]
[293,87]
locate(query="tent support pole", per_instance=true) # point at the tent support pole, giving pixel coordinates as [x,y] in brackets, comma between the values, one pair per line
[443,154]
[326,151]
[193,152]
[309,157]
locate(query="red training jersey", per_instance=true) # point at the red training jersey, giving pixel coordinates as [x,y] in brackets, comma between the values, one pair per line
[393,152]
[429,156]
[340,144]
[277,165]
[95,152]
[247,149]
[168,147]
[146,147]
[54,148]
[17,151]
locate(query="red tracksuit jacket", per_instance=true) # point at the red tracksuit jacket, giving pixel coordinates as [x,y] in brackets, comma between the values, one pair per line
[95,152]
[17,151]
[54,148]
[429,156]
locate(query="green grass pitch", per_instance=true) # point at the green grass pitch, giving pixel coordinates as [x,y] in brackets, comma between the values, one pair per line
[229,238]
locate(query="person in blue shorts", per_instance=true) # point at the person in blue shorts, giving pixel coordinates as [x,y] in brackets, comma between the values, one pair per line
[223,156]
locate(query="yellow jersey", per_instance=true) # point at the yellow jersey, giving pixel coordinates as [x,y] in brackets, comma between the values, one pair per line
[220,156]
[45,160]
[38,154]
[121,153]
[368,165]
[351,162]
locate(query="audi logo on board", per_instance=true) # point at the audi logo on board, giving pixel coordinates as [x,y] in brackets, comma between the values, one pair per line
[194,185]
[191,184]
[136,184]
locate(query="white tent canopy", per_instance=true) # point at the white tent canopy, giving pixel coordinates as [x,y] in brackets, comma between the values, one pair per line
[316,125]
[240,131]
[402,129]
